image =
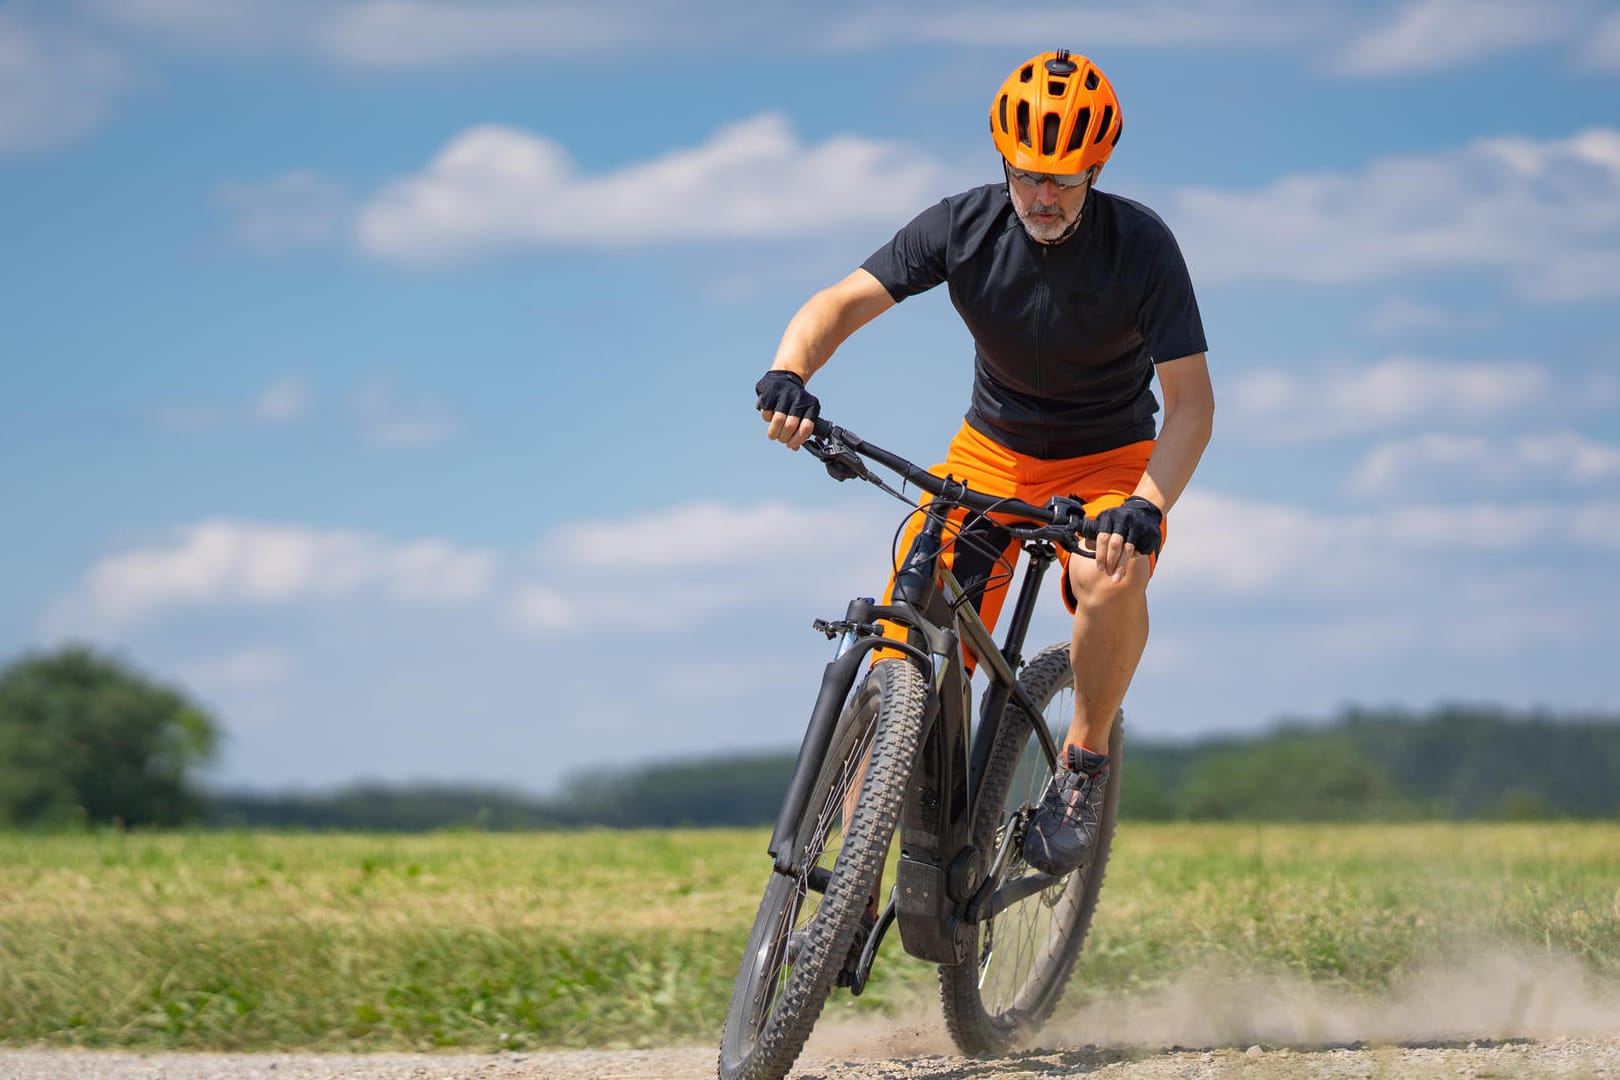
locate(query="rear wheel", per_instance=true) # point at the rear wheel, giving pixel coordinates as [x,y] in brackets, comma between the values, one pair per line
[807,923]
[1027,952]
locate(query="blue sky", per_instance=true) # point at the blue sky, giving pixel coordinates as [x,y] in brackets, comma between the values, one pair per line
[381,371]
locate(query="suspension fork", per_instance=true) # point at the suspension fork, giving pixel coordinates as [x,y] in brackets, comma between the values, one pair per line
[837,680]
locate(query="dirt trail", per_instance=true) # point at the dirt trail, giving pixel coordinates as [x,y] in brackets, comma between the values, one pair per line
[1562,1057]
[1498,1015]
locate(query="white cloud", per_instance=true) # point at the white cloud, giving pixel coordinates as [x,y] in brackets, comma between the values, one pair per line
[392,418]
[1261,608]
[246,670]
[1224,544]
[1601,51]
[1221,544]
[675,569]
[425,34]
[223,562]
[434,34]
[698,560]
[705,534]
[1400,316]
[414,34]
[418,35]
[1538,464]
[498,189]
[1542,214]
[542,609]
[385,413]
[297,209]
[285,401]
[1151,23]
[1349,37]
[54,86]
[216,24]
[1433,35]
[1285,406]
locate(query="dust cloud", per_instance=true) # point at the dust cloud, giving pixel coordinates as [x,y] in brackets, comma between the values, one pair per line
[1494,995]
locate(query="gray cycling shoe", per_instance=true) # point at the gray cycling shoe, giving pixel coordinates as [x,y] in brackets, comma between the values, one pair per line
[1063,831]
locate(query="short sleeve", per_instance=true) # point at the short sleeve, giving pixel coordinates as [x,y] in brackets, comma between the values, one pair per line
[1168,319]
[915,260]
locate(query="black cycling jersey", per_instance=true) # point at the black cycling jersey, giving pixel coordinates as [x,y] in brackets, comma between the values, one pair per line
[1066,334]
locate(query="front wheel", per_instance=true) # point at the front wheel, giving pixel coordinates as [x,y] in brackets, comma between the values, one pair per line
[1027,952]
[807,922]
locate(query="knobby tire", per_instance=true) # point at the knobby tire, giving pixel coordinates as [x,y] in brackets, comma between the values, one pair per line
[1025,955]
[777,998]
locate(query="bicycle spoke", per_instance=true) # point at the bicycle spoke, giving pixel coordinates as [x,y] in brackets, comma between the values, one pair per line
[822,848]
[1019,938]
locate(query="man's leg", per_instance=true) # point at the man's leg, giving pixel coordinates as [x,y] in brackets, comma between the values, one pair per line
[1110,632]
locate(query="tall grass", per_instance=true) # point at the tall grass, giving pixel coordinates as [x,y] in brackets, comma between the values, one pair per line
[253,941]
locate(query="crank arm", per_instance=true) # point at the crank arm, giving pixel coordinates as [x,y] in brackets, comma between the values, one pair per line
[863,967]
[1011,837]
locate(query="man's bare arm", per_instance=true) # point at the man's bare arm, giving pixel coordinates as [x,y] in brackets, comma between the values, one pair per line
[824,323]
[1189,416]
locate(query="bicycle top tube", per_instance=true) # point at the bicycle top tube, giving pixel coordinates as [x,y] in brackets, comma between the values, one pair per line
[1062,518]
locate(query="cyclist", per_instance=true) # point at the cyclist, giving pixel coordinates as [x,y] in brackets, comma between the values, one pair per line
[1075,298]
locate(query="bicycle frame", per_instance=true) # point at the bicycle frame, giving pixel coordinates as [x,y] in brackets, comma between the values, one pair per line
[940,875]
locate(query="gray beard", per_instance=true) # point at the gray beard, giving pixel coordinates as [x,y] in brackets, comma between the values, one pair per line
[1067,231]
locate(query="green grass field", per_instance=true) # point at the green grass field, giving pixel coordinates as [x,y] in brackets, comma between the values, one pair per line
[486,941]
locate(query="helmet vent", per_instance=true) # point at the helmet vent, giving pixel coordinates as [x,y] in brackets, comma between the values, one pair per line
[1055,87]
[1091,79]
[1118,131]
[1023,123]
[1004,114]
[1102,128]
[1077,137]
[1049,132]
[1027,74]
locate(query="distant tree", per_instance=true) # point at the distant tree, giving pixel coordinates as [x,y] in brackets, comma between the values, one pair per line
[733,789]
[385,808]
[84,738]
[1319,777]
[1144,795]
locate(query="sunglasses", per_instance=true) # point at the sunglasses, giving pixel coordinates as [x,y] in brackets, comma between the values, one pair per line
[1062,180]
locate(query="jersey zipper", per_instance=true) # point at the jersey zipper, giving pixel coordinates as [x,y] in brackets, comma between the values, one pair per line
[1042,297]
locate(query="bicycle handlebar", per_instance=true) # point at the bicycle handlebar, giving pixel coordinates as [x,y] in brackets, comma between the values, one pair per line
[1063,519]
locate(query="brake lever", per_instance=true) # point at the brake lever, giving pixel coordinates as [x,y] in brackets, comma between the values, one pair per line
[1068,523]
[842,462]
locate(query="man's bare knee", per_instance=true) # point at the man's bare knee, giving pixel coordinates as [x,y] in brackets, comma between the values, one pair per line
[1095,593]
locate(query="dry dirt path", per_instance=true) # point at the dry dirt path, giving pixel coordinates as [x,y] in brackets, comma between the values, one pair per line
[1498,1015]
[1563,1057]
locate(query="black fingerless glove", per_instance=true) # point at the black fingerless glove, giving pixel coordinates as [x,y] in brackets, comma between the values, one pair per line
[1138,521]
[784,392]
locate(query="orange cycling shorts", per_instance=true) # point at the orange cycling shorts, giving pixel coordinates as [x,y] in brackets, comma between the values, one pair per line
[983,564]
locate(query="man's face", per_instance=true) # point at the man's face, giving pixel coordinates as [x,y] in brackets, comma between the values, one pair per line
[1047,210]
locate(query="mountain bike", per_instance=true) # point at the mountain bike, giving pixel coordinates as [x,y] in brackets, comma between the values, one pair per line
[896,752]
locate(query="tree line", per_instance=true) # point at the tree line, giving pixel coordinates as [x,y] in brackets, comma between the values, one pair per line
[86,739]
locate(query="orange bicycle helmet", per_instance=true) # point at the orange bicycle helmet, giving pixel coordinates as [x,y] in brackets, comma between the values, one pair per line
[1056,113]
